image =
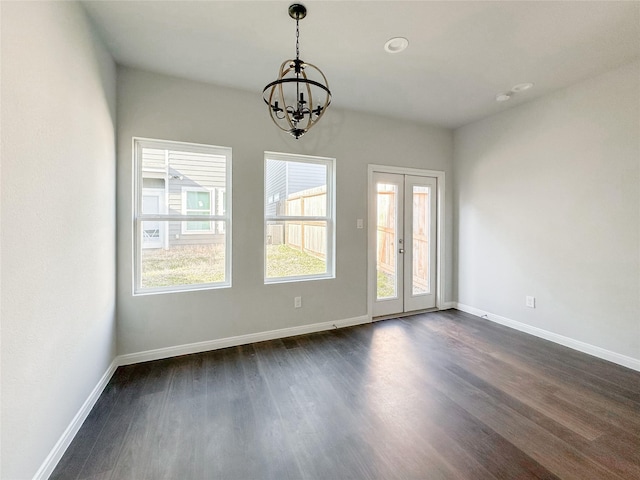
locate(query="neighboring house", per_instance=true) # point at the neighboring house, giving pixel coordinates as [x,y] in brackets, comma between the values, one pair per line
[183,183]
[286,178]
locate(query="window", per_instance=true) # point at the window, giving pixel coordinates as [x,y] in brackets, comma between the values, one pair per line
[182,216]
[299,221]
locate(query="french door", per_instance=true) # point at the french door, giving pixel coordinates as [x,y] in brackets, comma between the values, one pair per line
[405,243]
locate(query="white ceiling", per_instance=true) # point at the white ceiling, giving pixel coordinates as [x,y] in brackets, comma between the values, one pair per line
[460,55]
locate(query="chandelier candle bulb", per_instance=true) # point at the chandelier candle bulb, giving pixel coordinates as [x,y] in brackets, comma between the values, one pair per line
[297,115]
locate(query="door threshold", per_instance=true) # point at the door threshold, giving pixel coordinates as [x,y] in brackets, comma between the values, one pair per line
[404,314]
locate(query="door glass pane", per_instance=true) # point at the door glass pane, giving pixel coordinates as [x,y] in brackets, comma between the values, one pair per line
[421,240]
[386,267]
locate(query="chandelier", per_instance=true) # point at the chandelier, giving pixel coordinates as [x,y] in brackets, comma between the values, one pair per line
[300,95]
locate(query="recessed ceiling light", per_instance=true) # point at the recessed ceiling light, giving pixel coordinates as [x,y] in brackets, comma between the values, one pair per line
[396,45]
[503,97]
[521,87]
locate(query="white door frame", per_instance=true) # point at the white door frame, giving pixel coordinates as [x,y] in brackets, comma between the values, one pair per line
[371,230]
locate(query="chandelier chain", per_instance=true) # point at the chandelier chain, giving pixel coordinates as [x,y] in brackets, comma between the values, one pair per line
[297,40]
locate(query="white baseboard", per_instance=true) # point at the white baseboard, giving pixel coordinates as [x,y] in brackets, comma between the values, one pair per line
[49,464]
[447,305]
[198,347]
[583,347]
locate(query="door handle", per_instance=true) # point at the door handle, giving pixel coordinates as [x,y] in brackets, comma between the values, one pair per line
[401,250]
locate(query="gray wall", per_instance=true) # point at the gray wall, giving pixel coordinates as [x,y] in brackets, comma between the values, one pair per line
[58,225]
[547,204]
[156,106]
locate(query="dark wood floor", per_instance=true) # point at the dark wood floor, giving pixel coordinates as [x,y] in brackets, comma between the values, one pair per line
[434,396]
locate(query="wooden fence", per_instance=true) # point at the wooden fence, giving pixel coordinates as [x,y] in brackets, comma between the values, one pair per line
[421,246]
[311,237]
[308,237]
[387,244]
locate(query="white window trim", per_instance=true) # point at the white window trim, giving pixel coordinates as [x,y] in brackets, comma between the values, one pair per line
[138,143]
[212,203]
[330,217]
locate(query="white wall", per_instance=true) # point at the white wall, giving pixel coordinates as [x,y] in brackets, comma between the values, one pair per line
[157,106]
[547,204]
[58,225]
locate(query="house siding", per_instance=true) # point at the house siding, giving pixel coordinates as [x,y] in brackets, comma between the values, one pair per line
[276,183]
[303,176]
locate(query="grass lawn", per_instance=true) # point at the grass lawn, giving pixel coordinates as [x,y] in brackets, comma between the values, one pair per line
[193,265]
[182,265]
[386,287]
[284,261]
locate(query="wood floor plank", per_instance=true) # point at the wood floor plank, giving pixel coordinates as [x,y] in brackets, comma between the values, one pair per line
[106,450]
[601,404]
[174,446]
[82,445]
[135,453]
[434,396]
[474,449]
[563,459]
[497,455]
[622,381]
[554,454]
[529,386]
[338,396]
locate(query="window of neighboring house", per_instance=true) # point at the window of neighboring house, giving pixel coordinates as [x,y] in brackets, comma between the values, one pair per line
[199,201]
[196,202]
[182,212]
[300,221]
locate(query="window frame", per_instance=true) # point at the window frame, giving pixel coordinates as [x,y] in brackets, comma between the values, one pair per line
[138,143]
[329,218]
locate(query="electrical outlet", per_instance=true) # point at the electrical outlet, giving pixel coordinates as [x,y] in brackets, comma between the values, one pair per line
[297,302]
[530,302]
[359,223]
